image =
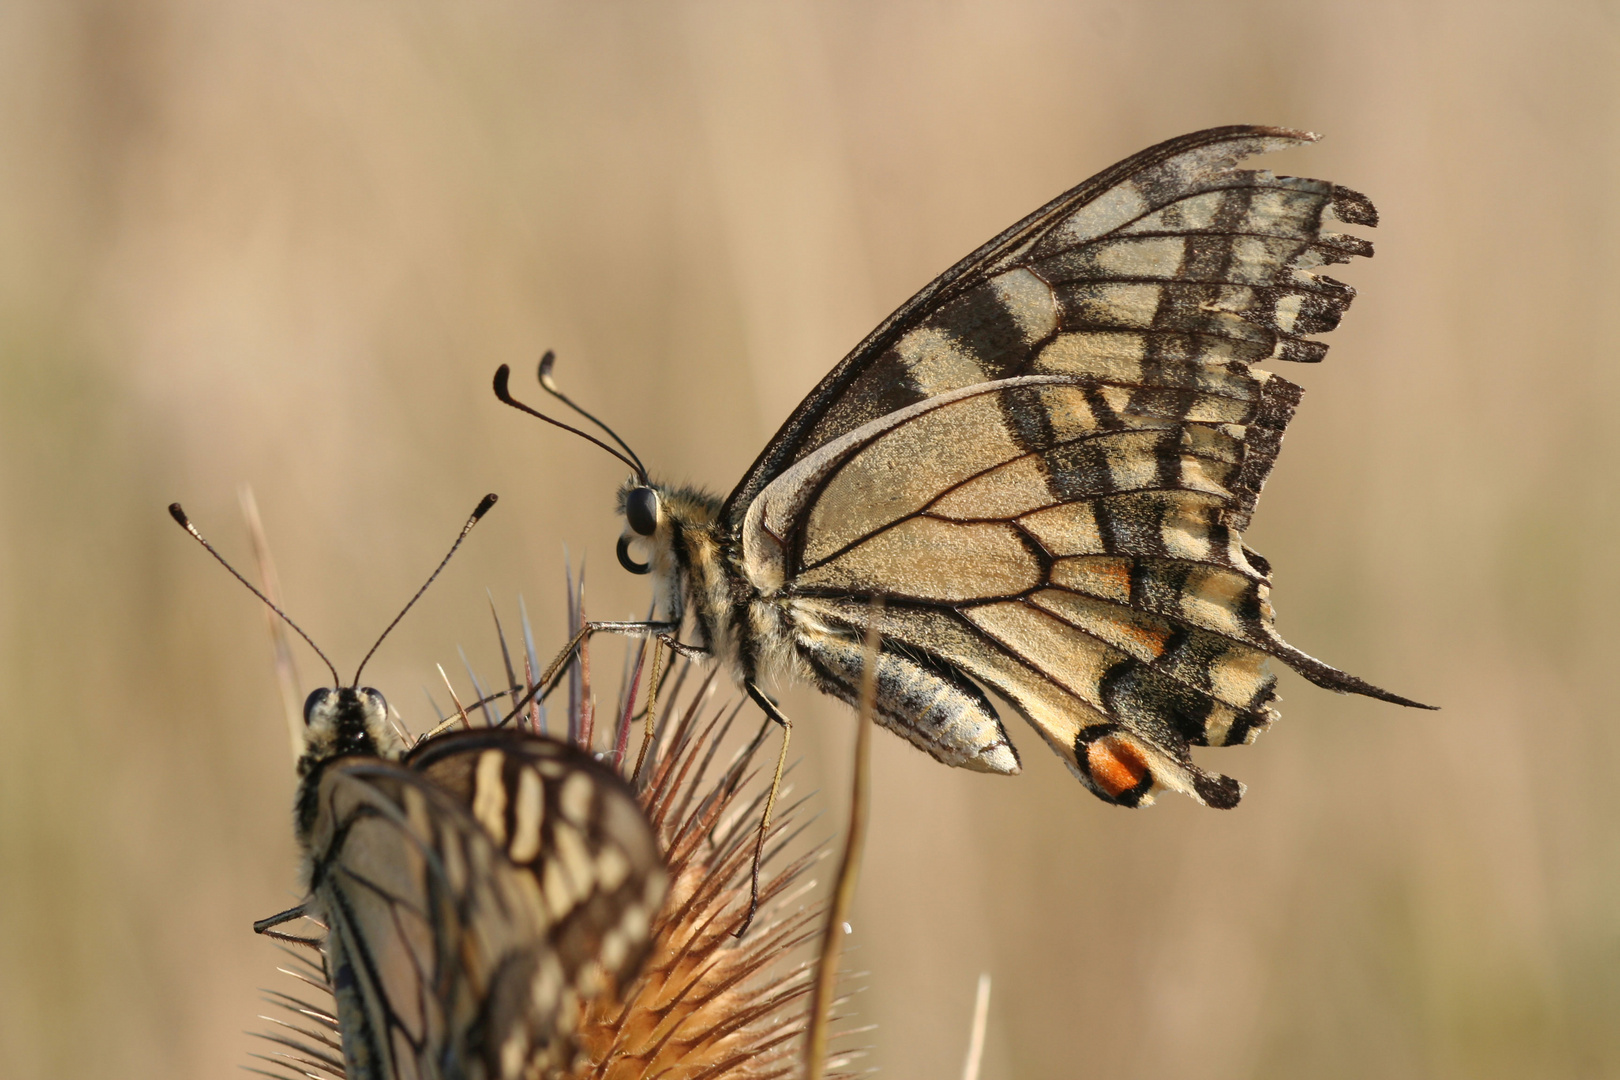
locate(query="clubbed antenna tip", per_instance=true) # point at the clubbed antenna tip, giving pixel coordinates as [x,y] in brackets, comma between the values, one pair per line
[503,391]
[478,512]
[184,522]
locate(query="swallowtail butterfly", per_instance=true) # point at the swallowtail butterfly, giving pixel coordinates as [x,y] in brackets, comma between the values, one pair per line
[475,889]
[1042,466]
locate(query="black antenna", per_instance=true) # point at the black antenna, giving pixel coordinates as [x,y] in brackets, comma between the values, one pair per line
[549,384]
[483,508]
[179,515]
[503,376]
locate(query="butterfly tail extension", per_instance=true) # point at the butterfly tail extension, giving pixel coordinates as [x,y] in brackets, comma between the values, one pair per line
[1331,678]
[1136,742]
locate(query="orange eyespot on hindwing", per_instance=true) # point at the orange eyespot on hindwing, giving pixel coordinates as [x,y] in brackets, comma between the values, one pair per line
[1115,766]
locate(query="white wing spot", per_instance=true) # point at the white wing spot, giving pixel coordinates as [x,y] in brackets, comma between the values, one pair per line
[489,794]
[547,983]
[614,948]
[530,812]
[569,850]
[1113,208]
[589,978]
[611,869]
[1288,311]
[576,798]
[513,1051]
[1029,301]
[634,922]
[555,888]
[936,363]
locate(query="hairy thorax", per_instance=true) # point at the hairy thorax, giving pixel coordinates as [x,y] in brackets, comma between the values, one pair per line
[698,570]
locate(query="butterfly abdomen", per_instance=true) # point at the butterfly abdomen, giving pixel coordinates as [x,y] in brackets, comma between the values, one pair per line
[927,702]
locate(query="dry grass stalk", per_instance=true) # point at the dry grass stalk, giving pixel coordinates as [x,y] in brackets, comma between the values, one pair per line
[843,892]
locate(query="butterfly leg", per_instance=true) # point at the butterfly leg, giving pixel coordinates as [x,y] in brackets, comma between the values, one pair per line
[764,701]
[734,776]
[666,632]
[663,631]
[681,648]
[263,926]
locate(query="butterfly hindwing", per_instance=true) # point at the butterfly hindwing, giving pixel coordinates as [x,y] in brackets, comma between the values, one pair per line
[575,826]
[1043,463]
[461,950]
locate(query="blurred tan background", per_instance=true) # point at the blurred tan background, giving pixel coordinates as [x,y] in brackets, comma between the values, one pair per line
[287,244]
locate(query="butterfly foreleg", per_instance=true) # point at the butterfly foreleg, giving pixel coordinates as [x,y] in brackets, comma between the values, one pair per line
[773,713]
[683,649]
[263,926]
[666,632]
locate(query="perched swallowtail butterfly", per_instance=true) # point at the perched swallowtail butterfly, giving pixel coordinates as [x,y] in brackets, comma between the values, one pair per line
[476,890]
[1042,465]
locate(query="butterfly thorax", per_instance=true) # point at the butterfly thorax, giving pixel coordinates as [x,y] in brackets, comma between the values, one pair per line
[696,567]
[347,722]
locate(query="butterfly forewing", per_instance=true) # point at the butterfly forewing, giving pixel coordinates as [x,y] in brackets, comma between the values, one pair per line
[475,895]
[1044,461]
[1171,253]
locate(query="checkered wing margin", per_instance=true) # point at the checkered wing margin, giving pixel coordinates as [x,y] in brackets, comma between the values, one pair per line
[474,897]
[1044,461]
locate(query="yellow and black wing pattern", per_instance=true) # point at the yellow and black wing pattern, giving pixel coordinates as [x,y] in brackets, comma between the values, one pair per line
[475,895]
[1043,464]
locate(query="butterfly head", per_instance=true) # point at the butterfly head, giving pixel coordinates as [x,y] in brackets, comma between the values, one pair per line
[675,528]
[351,720]
[673,525]
[642,505]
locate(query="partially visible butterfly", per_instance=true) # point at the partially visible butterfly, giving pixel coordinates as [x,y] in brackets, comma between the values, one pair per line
[1042,465]
[475,890]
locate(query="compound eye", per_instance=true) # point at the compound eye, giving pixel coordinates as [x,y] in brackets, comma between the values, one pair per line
[376,699]
[316,697]
[641,510]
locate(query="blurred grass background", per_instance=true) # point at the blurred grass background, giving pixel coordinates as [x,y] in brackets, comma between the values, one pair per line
[288,244]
